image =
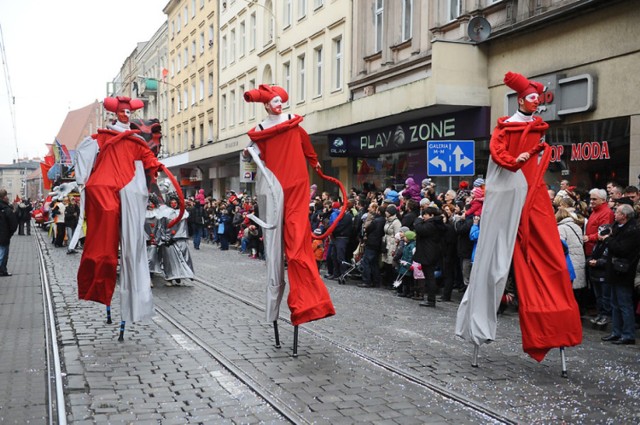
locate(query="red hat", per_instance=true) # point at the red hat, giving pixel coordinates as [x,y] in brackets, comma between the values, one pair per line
[264,93]
[463,184]
[335,205]
[115,104]
[521,85]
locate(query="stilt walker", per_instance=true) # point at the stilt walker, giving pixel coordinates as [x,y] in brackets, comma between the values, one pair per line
[518,225]
[114,184]
[281,149]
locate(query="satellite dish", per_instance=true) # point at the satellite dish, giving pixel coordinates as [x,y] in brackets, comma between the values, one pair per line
[478,29]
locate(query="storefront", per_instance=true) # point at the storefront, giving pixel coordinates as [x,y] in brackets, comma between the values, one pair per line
[388,155]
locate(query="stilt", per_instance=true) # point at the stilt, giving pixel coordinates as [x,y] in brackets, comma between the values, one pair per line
[295,341]
[476,350]
[109,315]
[121,337]
[276,333]
[564,363]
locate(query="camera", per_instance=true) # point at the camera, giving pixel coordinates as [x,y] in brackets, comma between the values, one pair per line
[604,230]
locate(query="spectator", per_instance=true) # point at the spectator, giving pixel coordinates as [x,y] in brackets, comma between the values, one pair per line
[24,216]
[8,226]
[600,214]
[224,229]
[464,245]
[373,234]
[571,233]
[429,229]
[597,275]
[340,241]
[391,227]
[411,210]
[412,190]
[405,264]
[624,252]
[463,191]
[58,211]
[71,214]
[477,201]
[197,220]
[449,254]
[318,247]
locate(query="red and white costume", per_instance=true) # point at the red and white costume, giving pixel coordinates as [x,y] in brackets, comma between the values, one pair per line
[518,224]
[283,149]
[113,166]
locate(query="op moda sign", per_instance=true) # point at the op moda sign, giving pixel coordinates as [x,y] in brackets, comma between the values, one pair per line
[467,124]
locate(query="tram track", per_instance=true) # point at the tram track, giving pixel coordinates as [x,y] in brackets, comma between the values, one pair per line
[274,401]
[56,409]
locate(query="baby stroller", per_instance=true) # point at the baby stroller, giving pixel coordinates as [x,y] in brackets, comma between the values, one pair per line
[355,266]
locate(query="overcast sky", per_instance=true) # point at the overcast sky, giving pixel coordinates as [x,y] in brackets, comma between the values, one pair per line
[60,55]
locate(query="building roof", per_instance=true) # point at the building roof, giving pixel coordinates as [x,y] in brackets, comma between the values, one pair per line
[79,124]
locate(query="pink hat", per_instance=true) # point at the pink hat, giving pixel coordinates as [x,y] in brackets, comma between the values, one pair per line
[264,93]
[477,192]
[115,104]
[522,85]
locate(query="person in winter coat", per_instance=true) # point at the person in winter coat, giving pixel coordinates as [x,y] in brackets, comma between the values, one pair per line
[449,254]
[597,273]
[8,226]
[391,227]
[373,234]
[464,245]
[429,229]
[405,264]
[412,190]
[24,216]
[224,229]
[624,252]
[411,211]
[571,233]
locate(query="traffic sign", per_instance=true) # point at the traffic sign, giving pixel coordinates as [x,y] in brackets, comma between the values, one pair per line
[451,158]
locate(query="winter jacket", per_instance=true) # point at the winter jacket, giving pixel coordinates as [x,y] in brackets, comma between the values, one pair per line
[391,227]
[464,245]
[412,191]
[571,233]
[374,233]
[600,215]
[429,234]
[8,223]
[624,242]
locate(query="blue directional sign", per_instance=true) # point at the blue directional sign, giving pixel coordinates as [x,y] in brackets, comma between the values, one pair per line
[451,158]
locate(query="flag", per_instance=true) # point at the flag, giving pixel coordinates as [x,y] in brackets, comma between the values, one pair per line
[61,153]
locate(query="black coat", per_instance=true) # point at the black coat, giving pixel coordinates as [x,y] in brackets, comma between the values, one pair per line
[429,235]
[624,242]
[408,218]
[374,233]
[8,223]
[344,228]
[464,245]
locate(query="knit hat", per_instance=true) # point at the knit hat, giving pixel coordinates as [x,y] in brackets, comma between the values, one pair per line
[410,235]
[426,182]
[392,210]
[478,182]
[404,229]
[318,231]
[264,93]
[335,205]
[522,85]
[463,184]
[477,193]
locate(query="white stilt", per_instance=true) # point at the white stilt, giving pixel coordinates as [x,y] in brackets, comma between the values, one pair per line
[474,362]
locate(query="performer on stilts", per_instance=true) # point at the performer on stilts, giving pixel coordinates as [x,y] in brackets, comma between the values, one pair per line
[116,165]
[284,149]
[518,225]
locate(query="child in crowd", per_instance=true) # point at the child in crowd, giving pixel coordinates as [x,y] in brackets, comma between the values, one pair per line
[409,239]
[318,247]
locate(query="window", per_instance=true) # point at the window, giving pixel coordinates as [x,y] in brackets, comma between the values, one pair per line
[193,8]
[286,76]
[302,8]
[185,59]
[185,140]
[173,67]
[178,24]
[301,79]
[210,83]
[252,105]
[223,112]
[317,4]
[241,103]
[210,131]
[185,16]
[201,128]
[318,68]
[173,106]
[201,87]
[185,99]
[193,93]
[337,63]
[201,4]
[179,61]
[407,19]
[243,39]
[269,25]
[252,31]
[377,24]
[211,36]
[232,107]
[287,14]
[193,50]
[173,29]
[202,42]
[193,137]
[224,51]
[232,46]
[453,9]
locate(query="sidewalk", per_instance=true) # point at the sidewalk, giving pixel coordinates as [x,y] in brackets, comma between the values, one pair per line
[23,372]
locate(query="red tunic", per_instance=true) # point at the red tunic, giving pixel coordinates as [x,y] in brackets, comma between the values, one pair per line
[549,314]
[283,148]
[113,170]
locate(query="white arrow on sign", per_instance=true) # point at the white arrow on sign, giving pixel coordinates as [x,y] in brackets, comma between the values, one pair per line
[437,162]
[461,160]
